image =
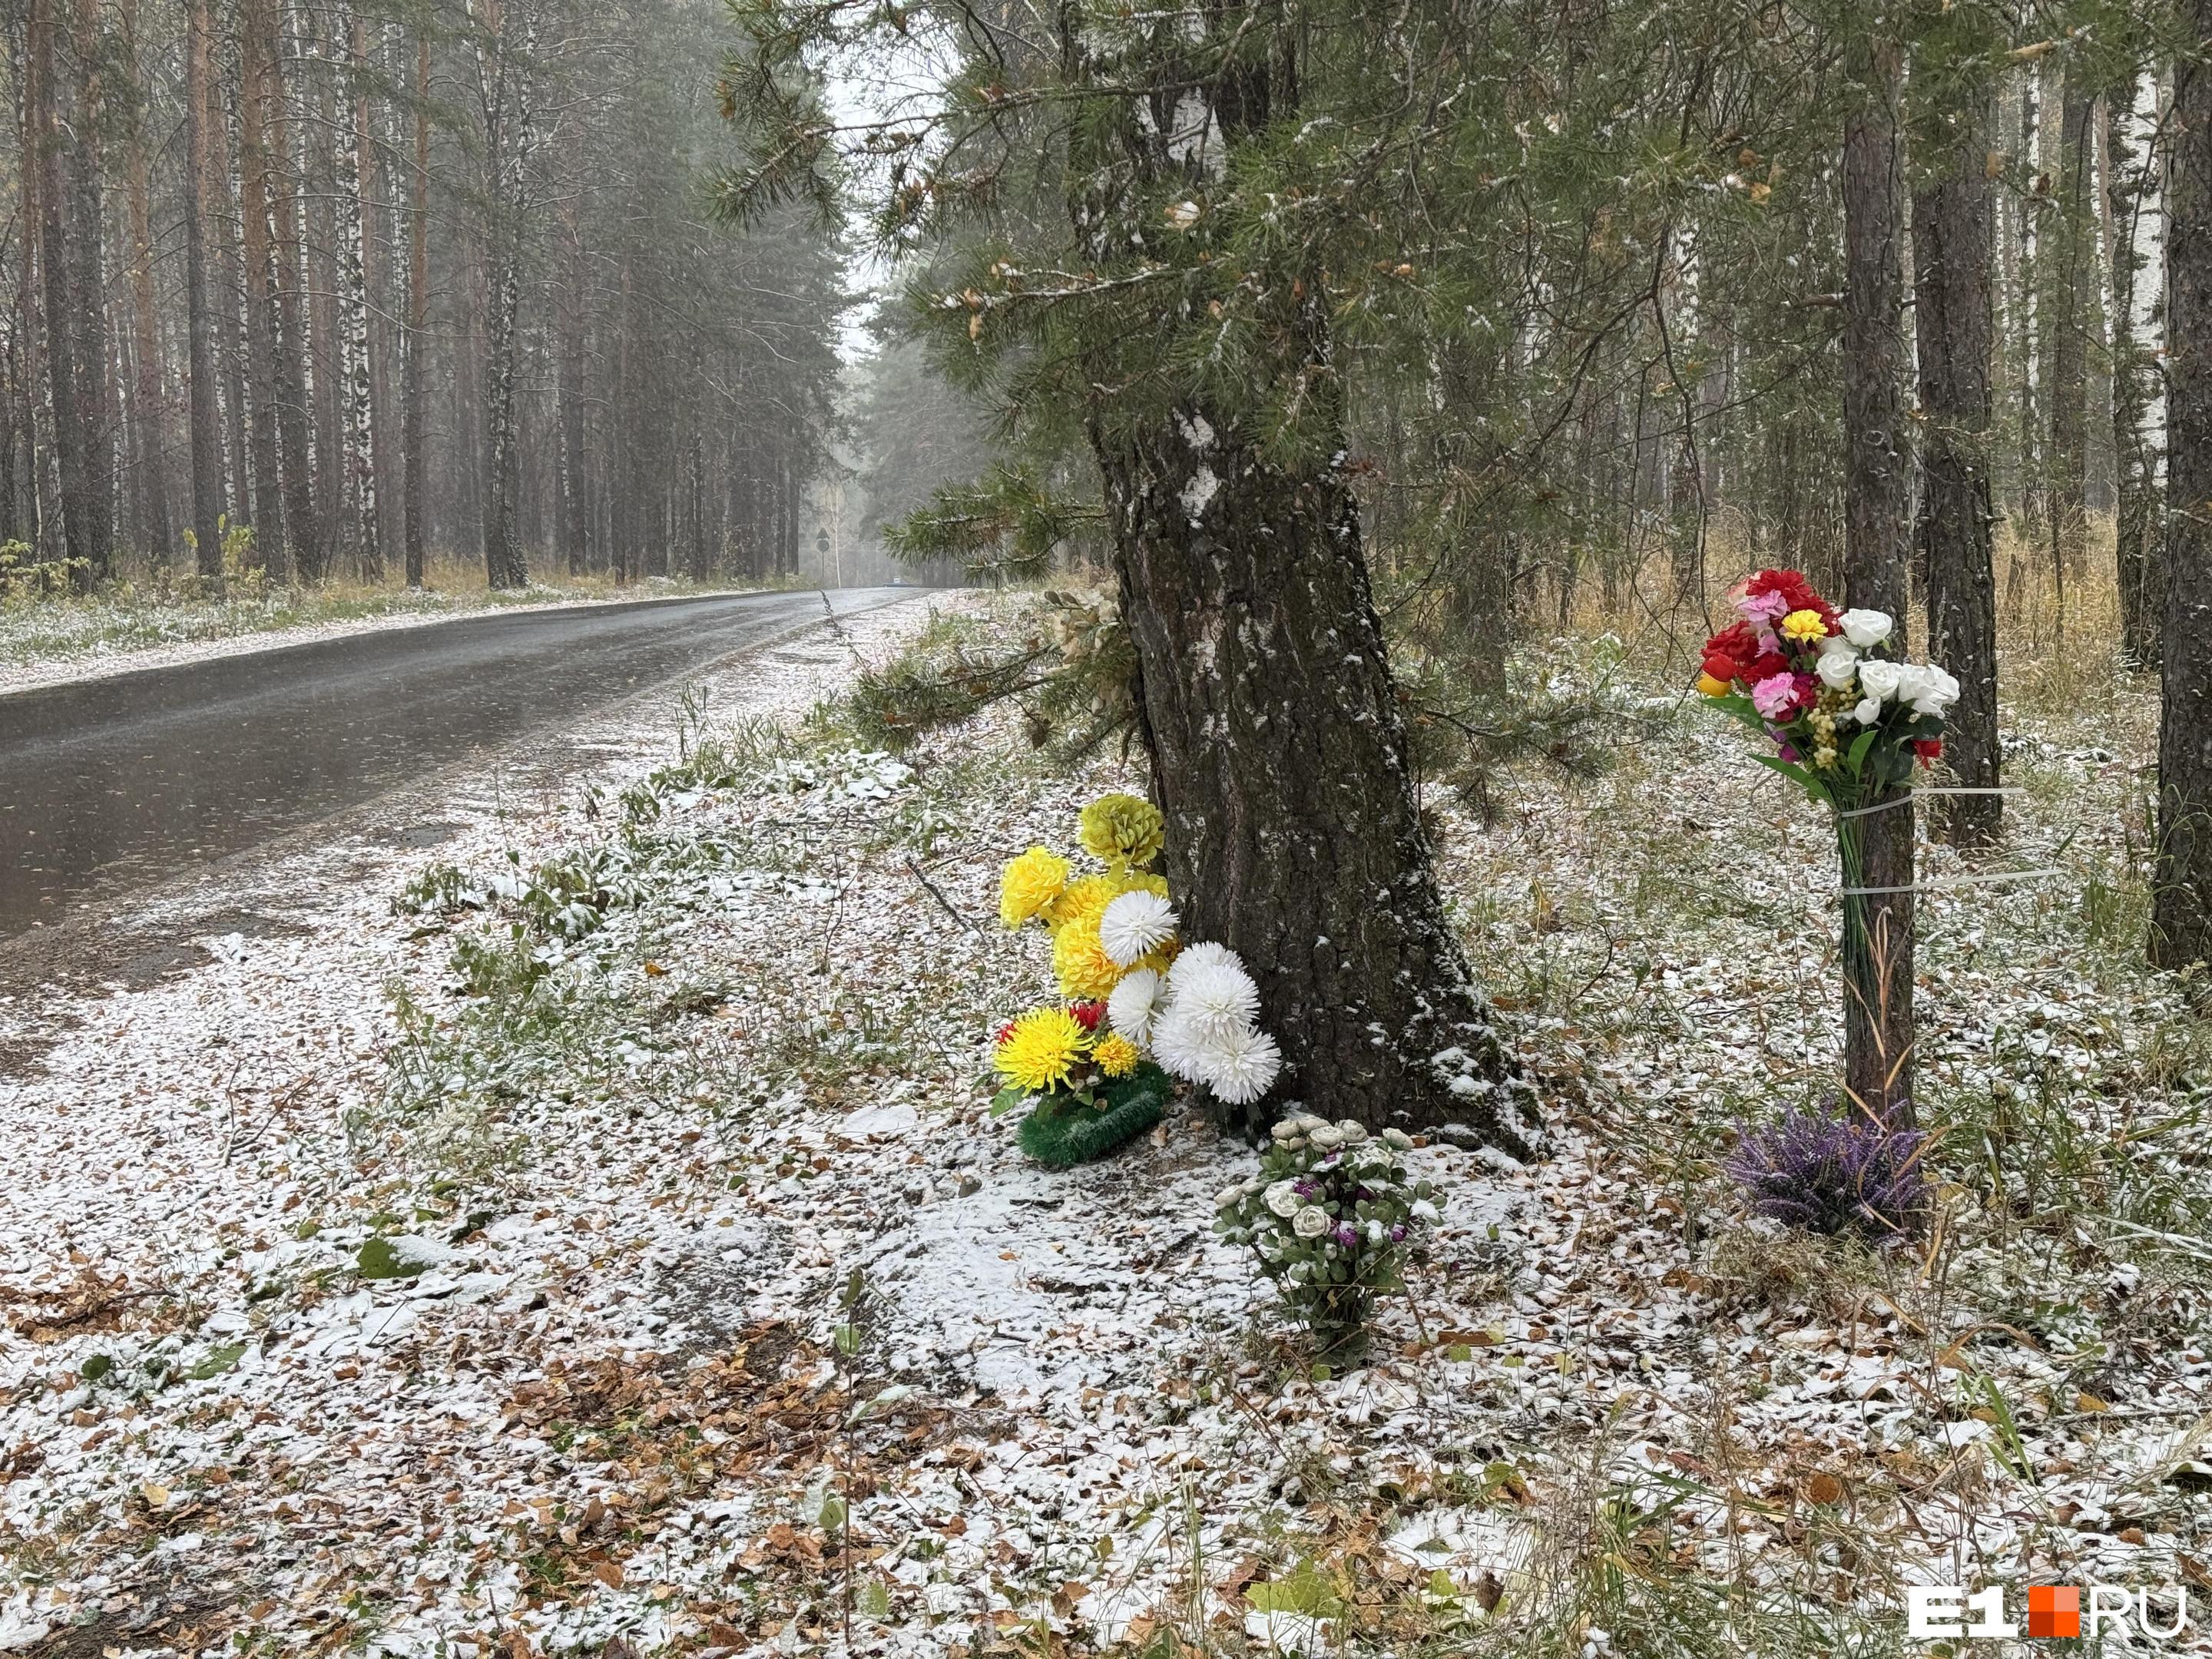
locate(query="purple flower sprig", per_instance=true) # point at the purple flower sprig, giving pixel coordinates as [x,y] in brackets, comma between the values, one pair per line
[1834,1169]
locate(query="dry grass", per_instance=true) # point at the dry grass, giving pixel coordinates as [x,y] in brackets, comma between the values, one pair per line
[170,608]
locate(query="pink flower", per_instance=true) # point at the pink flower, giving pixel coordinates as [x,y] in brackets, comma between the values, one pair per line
[1763,607]
[1775,697]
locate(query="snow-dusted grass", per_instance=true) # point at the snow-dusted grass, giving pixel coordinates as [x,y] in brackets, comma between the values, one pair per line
[139,625]
[744,1326]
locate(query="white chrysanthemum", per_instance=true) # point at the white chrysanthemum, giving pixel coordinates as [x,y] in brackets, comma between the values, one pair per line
[1311,1222]
[1135,926]
[1195,957]
[1134,1004]
[1244,1063]
[1218,996]
[1283,1198]
[1179,1046]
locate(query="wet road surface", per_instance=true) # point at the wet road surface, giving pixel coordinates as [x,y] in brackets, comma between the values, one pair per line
[107,784]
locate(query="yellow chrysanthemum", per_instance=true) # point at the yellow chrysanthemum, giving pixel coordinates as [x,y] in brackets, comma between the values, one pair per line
[1085,970]
[1139,881]
[1122,829]
[1711,687]
[1084,899]
[1029,885]
[1117,1056]
[1804,625]
[1042,1049]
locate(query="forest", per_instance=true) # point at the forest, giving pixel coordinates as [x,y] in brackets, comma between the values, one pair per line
[337,292]
[987,829]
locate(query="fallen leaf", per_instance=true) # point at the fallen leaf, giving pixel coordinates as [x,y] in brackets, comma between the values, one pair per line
[1825,1488]
[2089,1402]
[608,1574]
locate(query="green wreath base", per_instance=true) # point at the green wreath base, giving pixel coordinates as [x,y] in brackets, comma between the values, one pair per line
[1062,1131]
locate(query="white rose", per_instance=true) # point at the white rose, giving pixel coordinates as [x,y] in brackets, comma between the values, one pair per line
[1227,1196]
[1869,711]
[1865,629]
[1351,1132]
[1879,677]
[1399,1138]
[1286,1129]
[1837,666]
[1311,1222]
[1326,1138]
[1928,690]
[1283,1199]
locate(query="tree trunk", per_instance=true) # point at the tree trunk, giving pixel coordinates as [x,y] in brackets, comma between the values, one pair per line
[355,169]
[2073,239]
[327,354]
[64,394]
[257,28]
[1953,230]
[1877,926]
[301,526]
[85,251]
[502,73]
[1268,707]
[149,394]
[223,300]
[204,416]
[2181,913]
[2134,383]
[418,310]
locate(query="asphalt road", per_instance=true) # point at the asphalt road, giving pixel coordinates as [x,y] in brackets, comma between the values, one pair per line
[111,783]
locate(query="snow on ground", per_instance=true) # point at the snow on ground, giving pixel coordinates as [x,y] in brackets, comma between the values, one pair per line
[49,644]
[706,1261]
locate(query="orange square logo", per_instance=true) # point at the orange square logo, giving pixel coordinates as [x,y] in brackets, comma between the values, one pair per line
[2054,1610]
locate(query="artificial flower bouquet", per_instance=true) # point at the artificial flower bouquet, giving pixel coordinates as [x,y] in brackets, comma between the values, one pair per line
[1847,719]
[1136,1005]
[1333,1219]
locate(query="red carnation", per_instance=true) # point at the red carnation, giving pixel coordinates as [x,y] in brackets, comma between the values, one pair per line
[1929,749]
[1087,1014]
[1764,666]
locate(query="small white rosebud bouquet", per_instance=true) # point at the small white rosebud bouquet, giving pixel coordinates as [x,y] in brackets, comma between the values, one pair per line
[1333,1219]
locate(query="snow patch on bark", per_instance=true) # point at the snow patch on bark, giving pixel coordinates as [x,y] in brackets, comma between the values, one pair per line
[1200,492]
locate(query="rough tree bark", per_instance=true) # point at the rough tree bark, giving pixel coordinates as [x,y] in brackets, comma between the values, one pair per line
[354,171]
[149,394]
[92,520]
[1953,234]
[259,253]
[2073,237]
[508,132]
[418,310]
[2181,913]
[294,440]
[62,392]
[1877,926]
[204,416]
[2134,382]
